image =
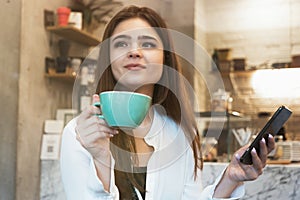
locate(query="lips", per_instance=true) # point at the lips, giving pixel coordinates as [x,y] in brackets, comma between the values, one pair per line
[134,66]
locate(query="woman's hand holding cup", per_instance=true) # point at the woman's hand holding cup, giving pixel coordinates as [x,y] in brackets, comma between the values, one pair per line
[93,133]
[95,125]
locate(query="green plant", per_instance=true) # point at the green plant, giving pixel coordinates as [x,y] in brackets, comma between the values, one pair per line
[100,10]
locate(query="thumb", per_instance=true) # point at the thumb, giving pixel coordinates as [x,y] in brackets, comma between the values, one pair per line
[96,98]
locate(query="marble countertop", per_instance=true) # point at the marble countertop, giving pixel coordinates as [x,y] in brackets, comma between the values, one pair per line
[276,182]
[292,165]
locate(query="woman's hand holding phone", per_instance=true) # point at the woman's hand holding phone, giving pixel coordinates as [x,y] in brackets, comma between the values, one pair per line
[237,172]
[248,162]
[240,172]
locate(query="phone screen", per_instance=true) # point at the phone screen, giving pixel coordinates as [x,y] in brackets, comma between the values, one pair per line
[272,127]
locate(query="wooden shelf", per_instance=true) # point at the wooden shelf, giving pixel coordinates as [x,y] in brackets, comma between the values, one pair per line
[279,162]
[74,34]
[211,116]
[61,76]
[251,72]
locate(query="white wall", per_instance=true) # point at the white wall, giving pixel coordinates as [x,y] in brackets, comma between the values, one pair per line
[259,30]
[9,73]
[200,61]
[38,97]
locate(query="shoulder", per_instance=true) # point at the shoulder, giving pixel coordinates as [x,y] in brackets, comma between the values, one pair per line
[69,142]
[70,127]
[164,120]
[69,134]
[171,131]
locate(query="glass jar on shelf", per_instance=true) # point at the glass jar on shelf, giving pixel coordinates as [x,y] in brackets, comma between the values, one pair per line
[220,100]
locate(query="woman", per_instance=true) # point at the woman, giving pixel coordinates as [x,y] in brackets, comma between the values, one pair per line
[162,158]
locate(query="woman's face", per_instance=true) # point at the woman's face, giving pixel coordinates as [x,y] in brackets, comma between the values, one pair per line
[136,54]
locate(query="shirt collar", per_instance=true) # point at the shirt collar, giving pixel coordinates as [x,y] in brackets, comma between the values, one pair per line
[158,124]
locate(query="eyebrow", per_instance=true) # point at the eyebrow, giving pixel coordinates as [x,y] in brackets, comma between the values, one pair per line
[139,37]
[147,37]
[121,36]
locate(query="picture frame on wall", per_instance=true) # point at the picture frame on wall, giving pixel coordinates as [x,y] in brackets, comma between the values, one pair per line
[49,18]
[66,115]
[50,147]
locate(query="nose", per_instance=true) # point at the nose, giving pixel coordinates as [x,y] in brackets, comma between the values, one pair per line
[135,53]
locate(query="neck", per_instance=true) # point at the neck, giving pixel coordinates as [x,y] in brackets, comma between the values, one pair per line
[145,89]
[142,130]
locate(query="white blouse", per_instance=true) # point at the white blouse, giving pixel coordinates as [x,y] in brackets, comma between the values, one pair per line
[170,170]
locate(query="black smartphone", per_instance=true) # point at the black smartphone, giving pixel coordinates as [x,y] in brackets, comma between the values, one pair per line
[272,127]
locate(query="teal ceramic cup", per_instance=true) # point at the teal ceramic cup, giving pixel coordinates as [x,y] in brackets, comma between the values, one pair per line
[123,109]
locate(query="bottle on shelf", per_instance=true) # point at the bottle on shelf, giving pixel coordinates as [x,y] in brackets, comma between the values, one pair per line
[84,92]
[220,101]
[215,61]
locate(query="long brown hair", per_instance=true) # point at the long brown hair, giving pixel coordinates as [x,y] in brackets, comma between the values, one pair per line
[181,113]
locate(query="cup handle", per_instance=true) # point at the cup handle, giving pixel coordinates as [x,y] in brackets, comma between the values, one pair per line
[100,116]
[98,104]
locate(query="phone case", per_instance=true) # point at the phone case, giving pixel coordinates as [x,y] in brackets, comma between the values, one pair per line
[272,127]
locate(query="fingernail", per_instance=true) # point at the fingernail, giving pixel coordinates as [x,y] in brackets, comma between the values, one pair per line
[270,136]
[116,131]
[111,135]
[263,140]
[237,156]
[253,150]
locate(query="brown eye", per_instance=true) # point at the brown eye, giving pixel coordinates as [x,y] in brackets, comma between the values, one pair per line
[148,45]
[120,44]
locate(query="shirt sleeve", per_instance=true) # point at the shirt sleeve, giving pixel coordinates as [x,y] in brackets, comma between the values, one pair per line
[193,188]
[78,170]
[208,191]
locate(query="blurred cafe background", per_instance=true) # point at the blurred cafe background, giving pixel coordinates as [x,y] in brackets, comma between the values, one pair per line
[253,46]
